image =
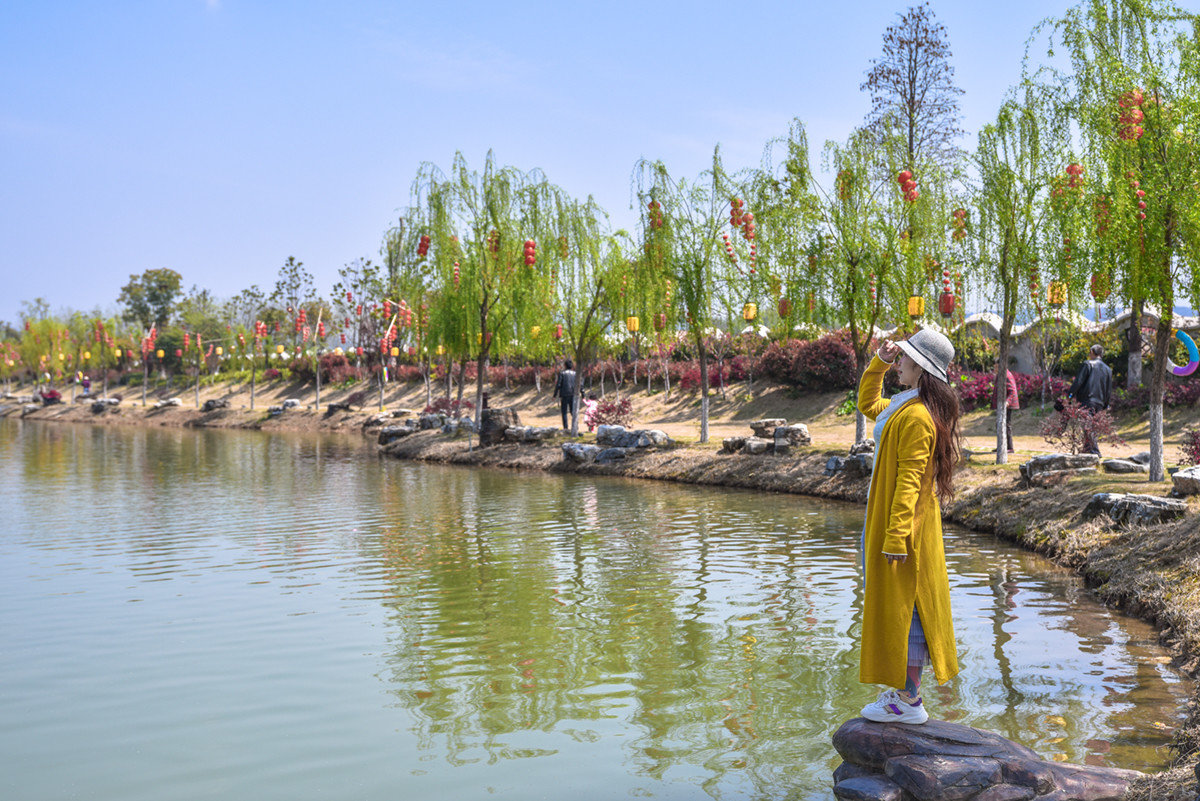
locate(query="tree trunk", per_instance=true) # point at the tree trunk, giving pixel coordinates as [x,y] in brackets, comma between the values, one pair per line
[253,374]
[481,367]
[703,391]
[146,380]
[462,379]
[317,372]
[1001,392]
[428,383]
[1158,384]
[1134,337]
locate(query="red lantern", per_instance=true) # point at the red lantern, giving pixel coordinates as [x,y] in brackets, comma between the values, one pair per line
[178,353]
[558,331]
[946,304]
[358,351]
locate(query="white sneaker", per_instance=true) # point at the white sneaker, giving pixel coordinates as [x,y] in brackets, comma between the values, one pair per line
[889,707]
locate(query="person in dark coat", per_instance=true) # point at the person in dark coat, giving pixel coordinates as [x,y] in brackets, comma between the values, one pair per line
[564,389]
[1092,389]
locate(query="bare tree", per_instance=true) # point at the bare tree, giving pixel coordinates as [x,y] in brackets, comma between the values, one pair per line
[913,95]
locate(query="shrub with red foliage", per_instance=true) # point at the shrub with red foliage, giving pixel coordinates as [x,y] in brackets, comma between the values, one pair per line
[612,410]
[270,374]
[976,390]
[1071,427]
[1189,449]
[825,364]
[450,408]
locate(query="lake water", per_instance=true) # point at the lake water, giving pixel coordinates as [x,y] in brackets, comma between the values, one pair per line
[238,615]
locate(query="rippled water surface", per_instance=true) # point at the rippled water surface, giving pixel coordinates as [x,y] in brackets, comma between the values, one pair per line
[188,615]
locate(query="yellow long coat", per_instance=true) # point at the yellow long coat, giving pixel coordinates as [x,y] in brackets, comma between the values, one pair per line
[903,517]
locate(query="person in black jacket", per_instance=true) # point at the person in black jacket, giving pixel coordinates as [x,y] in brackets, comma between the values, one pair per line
[1092,389]
[564,389]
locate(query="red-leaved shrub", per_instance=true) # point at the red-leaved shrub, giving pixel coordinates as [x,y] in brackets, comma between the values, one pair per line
[1075,424]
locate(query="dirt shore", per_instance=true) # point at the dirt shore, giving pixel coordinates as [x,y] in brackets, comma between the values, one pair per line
[1150,571]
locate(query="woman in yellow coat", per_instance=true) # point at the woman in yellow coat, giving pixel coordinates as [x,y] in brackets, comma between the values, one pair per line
[906,603]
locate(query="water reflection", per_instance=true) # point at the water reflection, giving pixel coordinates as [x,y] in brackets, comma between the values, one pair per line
[650,639]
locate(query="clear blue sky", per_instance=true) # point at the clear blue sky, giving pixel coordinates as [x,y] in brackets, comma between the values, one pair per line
[218,138]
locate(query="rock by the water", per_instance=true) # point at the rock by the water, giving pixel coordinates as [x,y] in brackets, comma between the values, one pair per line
[430,421]
[1124,466]
[392,433]
[1132,508]
[1058,464]
[781,446]
[493,423]
[458,425]
[860,464]
[212,404]
[620,437]
[162,404]
[765,429]
[863,446]
[608,434]
[733,444]
[755,446]
[795,434]
[292,403]
[1141,458]
[951,762]
[834,464]
[611,454]
[1187,481]
[580,453]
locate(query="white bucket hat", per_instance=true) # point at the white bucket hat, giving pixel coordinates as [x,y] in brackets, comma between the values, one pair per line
[932,352]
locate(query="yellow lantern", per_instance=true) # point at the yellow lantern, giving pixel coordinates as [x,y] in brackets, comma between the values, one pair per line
[338,351]
[916,306]
[440,350]
[117,352]
[395,351]
[1056,293]
[279,349]
[220,350]
[533,332]
[750,312]
[87,354]
[158,353]
[632,323]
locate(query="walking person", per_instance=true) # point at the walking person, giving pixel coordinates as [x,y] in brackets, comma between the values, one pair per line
[906,590]
[564,389]
[1092,389]
[1009,404]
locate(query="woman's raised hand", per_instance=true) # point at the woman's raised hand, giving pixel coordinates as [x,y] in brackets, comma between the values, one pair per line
[888,351]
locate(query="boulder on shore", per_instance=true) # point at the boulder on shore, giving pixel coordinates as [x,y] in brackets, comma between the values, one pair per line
[1133,508]
[493,424]
[1052,465]
[765,429]
[952,762]
[1124,466]
[1187,481]
[733,444]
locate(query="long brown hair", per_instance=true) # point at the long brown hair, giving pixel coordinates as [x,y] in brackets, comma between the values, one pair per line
[942,402]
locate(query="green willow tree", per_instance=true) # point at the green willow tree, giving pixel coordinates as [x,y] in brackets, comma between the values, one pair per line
[861,249]
[1013,162]
[1133,87]
[683,221]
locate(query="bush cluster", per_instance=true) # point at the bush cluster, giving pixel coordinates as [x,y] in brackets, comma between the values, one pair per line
[611,410]
[825,363]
